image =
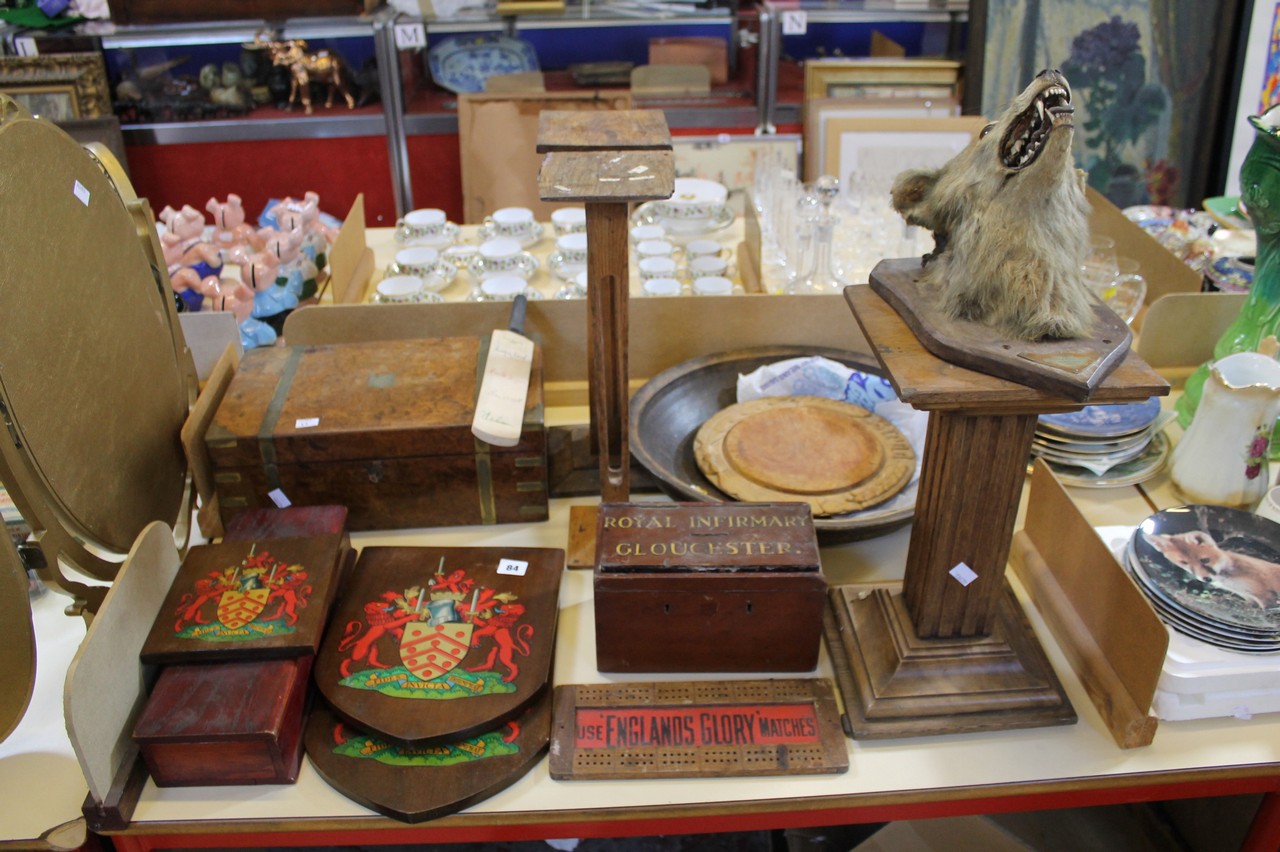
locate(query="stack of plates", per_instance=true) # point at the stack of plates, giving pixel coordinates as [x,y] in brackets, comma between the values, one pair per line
[1211,573]
[1104,445]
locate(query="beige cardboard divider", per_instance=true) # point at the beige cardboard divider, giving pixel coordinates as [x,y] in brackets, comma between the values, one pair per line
[1112,637]
[1164,272]
[666,332]
[1180,330]
[106,682]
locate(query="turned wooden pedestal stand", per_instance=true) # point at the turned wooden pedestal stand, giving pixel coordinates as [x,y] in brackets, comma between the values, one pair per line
[606,159]
[952,651]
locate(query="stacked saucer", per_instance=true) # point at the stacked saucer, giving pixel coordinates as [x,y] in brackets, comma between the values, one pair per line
[1104,445]
[1211,573]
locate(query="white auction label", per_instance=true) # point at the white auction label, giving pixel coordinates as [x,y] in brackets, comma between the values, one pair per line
[963,573]
[81,192]
[794,22]
[306,422]
[277,497]
[512,566]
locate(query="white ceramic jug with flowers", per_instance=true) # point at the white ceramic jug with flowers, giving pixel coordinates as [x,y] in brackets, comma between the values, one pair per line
[1222,458]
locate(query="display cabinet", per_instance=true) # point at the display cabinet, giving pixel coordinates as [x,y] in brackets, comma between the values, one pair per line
[188,139]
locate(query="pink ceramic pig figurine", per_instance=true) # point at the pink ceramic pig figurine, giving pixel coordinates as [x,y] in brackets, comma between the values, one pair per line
[236,297]
[294,266]
[234,238]
[193,267]
[291,213]
[271,296]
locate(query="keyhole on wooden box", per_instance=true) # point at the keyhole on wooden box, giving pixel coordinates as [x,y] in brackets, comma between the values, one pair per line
[375,472]
[666,609]
[749,607]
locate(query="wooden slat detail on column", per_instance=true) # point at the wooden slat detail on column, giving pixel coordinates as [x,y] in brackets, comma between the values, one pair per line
[965,511]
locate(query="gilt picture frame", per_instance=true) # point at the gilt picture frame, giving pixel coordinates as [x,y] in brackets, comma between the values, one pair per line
[58,86]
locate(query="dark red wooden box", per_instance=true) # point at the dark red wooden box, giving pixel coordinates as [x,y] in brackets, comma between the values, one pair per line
[383,428]
[225,723]
[702,587]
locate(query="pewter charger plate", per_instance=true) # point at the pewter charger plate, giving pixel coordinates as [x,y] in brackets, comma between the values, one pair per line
[667,411]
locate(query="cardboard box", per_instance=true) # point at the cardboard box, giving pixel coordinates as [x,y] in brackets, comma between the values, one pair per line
[383,428]
[703,587]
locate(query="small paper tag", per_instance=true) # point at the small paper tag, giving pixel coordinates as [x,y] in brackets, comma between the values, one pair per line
[306,422]
[81,192]
[514,567]
[1241,712]
[281,501]
[963,574]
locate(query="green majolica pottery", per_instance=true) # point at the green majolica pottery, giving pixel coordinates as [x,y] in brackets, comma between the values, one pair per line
[1260,315]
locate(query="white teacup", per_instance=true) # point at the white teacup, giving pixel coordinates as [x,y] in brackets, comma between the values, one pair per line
[503,288]
[662,287]
[640,233]
[460,255]
[708,265]
[516,222]
[416,260]
[712,285]
[503,256]
[572,248]
[657,267]
[568,220]
[654,248]
[428,224]
[702,248]
[399,288]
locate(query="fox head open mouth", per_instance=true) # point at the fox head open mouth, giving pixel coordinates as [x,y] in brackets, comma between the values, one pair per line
[1028,132]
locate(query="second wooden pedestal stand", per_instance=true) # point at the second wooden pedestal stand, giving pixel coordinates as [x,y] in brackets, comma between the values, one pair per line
[953,651]
[606,159]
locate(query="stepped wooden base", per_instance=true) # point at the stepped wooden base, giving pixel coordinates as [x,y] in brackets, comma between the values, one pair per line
[897,685]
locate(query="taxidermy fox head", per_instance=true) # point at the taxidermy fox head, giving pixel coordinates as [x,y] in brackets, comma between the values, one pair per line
[1010,221]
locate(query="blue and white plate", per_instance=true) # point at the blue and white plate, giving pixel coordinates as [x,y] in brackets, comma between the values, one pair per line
[462,64]
[1104,421]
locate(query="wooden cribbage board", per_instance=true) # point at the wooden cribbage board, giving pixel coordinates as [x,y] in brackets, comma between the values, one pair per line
[696,729]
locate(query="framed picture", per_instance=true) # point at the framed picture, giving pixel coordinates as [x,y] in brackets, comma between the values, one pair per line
[58,86]
[872,151]
[876,77]
[818,112]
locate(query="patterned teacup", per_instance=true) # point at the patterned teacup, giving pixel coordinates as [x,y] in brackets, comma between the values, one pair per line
[572,248]
[640,233]
[503,288]
[428,225]
[399,288]
[702,248]
[657,267]
[662,287]
[708,264]
[568,220]
[654,248]
[416,260]
[515,222]
[503,256]
[712,285]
